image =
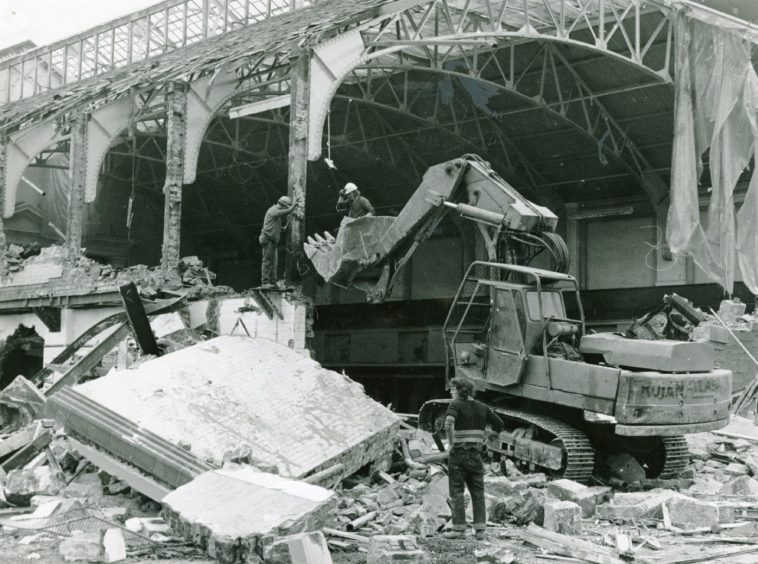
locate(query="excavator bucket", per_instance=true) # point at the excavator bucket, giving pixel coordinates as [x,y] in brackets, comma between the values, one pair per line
[365,242]
[358,246]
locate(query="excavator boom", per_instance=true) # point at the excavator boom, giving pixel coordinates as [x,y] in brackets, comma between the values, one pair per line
[368,252]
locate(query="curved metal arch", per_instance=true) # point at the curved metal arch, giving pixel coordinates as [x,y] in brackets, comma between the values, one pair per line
[595,114]
[336,59]
[21,149]
[584,112]
[527,173]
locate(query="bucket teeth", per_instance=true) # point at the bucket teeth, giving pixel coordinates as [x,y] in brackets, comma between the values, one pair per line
[319,238]
[311,241]
[329,237]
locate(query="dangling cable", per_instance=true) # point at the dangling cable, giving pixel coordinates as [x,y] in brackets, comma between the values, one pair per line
[328,160]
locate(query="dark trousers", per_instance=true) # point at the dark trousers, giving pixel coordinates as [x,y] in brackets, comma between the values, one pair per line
[466,470]
[268,261]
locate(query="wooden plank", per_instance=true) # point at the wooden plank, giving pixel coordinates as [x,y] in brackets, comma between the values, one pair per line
[17,440]
[27,453]
[137,316]
[565,545]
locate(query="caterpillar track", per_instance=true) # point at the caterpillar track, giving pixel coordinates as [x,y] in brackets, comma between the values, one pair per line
[677,456]
[579,454]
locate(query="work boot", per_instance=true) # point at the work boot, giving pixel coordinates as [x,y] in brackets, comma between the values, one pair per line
[480,534]
[454,534]
[268,286]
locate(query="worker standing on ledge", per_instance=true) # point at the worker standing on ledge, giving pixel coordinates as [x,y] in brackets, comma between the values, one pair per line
[465,425]
[353,203]
[269,239]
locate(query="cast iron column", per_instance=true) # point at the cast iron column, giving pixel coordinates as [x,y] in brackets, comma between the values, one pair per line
[298,159]
[3,152]
[176,125]
[78,173]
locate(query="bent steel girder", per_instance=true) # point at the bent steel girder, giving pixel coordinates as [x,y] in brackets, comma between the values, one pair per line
[444,35]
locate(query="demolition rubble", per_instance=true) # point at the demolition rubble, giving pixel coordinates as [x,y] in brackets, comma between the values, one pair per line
[240,450]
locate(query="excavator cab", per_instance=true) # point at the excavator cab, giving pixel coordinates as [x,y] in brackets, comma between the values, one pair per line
[503,313]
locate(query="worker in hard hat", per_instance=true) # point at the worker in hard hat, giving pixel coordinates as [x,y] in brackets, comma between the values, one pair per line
[270,235]
[353,203]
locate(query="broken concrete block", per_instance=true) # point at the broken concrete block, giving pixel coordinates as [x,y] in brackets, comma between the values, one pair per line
[424,523]
[631,506]
[688,513]
[520,507]
[114,547]
[255,383]
[20,402]
[304,548]
[569,490]
[563,517]
[386,497]
[736,469]
[114,514]
[742,485]
[625,468]
[706,486]
[495,554]
[84,547]
[436,505]
[229,512]
[502,486]
[148,525]
[387,549]
[22,484]
[531,480]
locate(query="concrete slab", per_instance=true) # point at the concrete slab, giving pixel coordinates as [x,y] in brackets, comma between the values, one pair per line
[237,391]
[664,355]
[230,512]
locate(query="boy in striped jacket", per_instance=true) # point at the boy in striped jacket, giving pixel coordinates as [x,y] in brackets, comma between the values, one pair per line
[465,426]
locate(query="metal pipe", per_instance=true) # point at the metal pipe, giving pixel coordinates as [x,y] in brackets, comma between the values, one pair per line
[325,474]
[360,521]
[409,462]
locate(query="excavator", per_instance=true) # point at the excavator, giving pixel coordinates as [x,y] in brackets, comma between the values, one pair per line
[570,398]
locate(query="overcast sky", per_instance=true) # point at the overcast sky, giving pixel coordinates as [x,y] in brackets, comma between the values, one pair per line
[46,21]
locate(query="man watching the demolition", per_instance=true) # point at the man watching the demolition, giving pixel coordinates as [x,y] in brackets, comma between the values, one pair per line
[353,203]
[269,239]
[465,425]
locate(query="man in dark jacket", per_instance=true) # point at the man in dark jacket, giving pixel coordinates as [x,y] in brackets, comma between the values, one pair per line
[465,426]
[353,203]
[269,239]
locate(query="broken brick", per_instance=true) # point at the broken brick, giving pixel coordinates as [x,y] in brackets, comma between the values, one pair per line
[563,517]
[742,485]
[303,548]
[386,549]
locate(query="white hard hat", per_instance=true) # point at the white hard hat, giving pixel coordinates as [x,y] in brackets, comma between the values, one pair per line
[284,201]
[350,187]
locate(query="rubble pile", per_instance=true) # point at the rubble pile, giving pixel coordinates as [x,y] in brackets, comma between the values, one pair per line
[58,504]
[33,264]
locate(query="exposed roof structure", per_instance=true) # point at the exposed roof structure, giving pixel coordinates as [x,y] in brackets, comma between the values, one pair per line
[274,37]
[571,100]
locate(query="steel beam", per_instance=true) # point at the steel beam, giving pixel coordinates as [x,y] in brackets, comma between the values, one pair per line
[176,110]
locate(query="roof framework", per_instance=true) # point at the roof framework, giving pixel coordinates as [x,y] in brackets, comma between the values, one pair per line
[571,98]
